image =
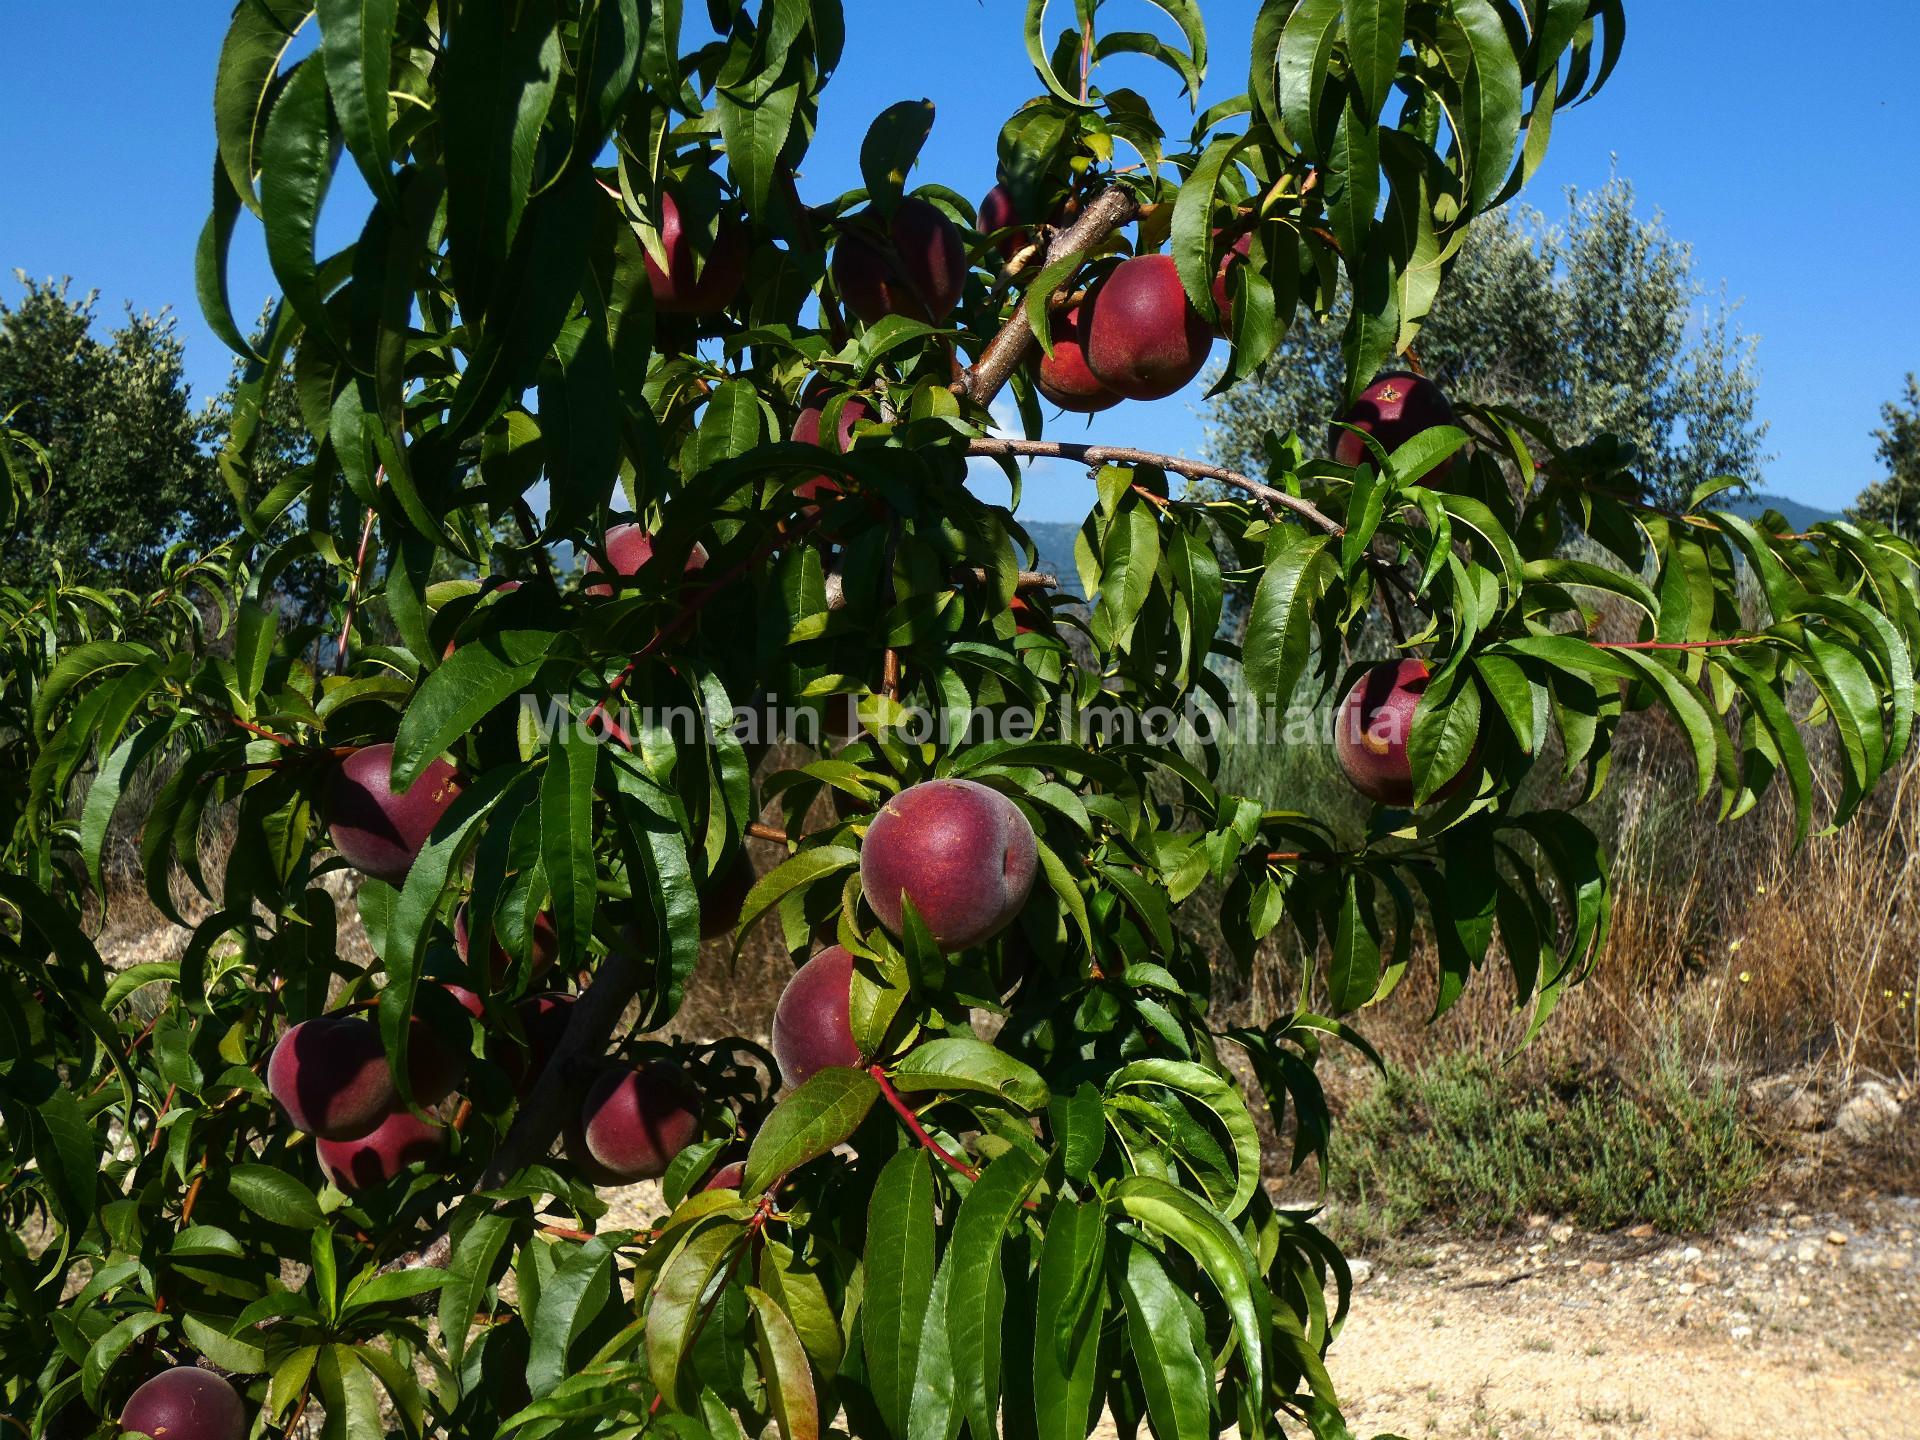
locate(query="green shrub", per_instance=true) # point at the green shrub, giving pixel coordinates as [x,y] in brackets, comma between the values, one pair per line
[1461,1139]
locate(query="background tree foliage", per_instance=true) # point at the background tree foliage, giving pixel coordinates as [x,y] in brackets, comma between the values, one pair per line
[128,465]
[1895,500]
[1596,324]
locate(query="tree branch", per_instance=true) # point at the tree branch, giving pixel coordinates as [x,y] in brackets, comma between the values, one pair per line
[589,1027]
[1104,214]
[997,447]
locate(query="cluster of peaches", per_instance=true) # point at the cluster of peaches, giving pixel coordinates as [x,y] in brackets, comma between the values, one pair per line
[1134,336]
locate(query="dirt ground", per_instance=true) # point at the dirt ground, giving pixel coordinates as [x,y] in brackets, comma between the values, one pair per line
[1795,1326]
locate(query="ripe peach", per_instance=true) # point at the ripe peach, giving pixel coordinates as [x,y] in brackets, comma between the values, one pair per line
[1063,377]
[806,430]
[629,547]
[997,213]
[963,854]
[1030,617]
[676,290]
[546,945]
[634,1122]
[1236,254]
[1143,338]
[812,1028]
[1393,409]
[727,1177]
[185,1403]
[1373,726]
[921,278]
[330,1075]
[378,831]
[382,1153]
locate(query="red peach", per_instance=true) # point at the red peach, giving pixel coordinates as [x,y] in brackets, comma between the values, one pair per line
[964,854]
[378,831]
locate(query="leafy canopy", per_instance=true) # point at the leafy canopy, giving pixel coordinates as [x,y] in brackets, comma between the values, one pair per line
[959,1232]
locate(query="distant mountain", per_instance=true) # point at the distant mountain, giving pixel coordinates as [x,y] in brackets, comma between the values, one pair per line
[1754,506]
[1054,539]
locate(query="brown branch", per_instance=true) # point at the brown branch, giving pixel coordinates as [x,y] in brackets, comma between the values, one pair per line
[1680,644]
[1104,214]
[996,447]
[589,1027]
[760,830]
[253,729]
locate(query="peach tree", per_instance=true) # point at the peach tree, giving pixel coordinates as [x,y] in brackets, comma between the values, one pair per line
[994,1168]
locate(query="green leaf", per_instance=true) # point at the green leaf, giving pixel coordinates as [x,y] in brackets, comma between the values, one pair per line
[1279,630]
[755,135]
[1070,1303]
[1040,291]
[1218,1249]
[476,1245]
[1489,122]
[963,1063]
[1079,1124]
[500,76]
[210,266]
[1446,732]
[105,1352]
[1037,52]
[1172,1375]
[571,1295]
[275,1196]
[1375,32]
[933,1412]
[1306,51]
[799,871]
[296,169]
[1353,973]
[783,1362]
[1353,179]
[239,1356]
[891,147]
[356,41]
[899,1261]
[674,1310]
[820,1114]
[977,1292]
[345,1386]
[566,840]
[1217,1094]
[262,33]
[480,676]
[1193,222]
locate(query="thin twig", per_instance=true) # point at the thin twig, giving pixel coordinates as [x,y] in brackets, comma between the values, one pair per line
[994,446]
[1680,644]
[915,1128]
[353,585]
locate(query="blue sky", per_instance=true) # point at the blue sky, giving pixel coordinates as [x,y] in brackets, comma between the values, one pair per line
[1777,138]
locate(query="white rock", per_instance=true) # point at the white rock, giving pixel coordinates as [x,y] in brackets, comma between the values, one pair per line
[1362,1271]
[1868,1115]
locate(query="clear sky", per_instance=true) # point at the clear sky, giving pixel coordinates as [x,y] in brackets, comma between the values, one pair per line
[1777,137]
